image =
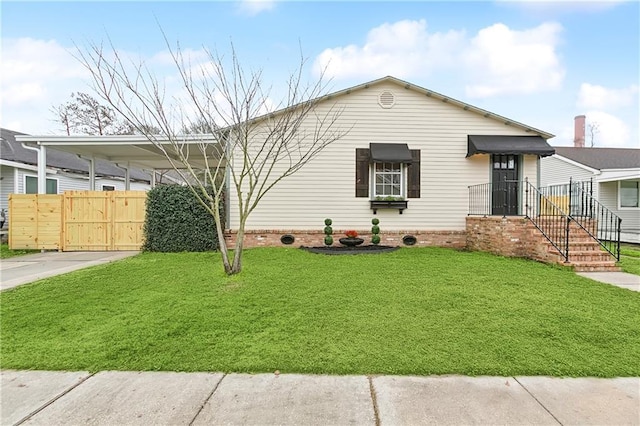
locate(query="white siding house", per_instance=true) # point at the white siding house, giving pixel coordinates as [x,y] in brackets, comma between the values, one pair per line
[615,173]
[391,111]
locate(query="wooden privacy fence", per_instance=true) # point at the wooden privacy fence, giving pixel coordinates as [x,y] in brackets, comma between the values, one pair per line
[77,221]
[561,201]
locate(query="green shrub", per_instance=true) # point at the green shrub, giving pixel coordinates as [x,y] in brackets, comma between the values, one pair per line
[328,230]
[328,240]
[328,222]
[177,222]
[375,231]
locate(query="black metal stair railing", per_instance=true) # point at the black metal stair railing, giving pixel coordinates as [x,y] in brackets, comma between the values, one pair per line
[550,219]
[551,209]
[588,213]
[602,224]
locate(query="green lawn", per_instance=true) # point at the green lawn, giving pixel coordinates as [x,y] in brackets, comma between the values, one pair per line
[630,259]
[413,311]
[5,252]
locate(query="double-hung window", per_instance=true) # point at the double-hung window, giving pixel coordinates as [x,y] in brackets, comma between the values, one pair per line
[387,170]
[629,193]
[389,180]
[31,185]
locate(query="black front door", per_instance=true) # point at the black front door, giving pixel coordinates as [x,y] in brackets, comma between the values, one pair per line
[505,185]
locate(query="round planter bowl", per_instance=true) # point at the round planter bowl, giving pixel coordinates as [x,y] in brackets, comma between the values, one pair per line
[351,242]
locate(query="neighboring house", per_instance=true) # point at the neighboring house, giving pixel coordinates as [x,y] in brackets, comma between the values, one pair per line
[65,171]
[420,147]
[615,173]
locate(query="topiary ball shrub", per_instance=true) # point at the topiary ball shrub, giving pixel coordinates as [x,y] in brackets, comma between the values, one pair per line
[328,240]
[328,222]
[375,229]
[375,239]
[375,221]
[328,230]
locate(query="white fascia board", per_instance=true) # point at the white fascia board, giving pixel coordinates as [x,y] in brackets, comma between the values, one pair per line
[24,166]
[575,163]
[612,175]
[110,140]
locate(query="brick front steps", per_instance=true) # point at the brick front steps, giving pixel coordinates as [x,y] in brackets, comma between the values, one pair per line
[518,237]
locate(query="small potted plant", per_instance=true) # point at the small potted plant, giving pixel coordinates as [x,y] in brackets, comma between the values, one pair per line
[351,239]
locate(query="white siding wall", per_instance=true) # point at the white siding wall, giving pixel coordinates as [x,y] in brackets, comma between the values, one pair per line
[71,182]
[630,217]
[6,187]
[325,187]
[554,171]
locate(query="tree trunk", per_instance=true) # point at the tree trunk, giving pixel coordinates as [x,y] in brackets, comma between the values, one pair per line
[237,252]
[222,243]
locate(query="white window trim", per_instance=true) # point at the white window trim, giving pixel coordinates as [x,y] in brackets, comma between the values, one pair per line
[24,182]
[619,200]
[403,181]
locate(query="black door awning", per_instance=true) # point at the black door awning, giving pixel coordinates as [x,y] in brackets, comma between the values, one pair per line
[490,144]
[390,153]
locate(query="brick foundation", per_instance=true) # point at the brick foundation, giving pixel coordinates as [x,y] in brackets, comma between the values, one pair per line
[507,236]
[271,238]
[513,236]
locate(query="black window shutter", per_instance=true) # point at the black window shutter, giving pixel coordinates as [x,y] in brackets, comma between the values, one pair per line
[362,172]
[413,175]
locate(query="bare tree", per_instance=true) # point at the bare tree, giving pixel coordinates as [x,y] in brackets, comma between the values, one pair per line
[246,145]
[86,115]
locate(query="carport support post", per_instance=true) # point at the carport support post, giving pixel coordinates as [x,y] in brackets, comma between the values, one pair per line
[127,178]
[42,170]
[92,174]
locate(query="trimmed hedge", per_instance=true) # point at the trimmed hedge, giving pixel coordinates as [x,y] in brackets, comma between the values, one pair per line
[176,222]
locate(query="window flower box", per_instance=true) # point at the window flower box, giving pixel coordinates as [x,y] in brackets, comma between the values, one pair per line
[385,203]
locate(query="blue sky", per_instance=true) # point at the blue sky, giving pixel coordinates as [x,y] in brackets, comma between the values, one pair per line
[540,63]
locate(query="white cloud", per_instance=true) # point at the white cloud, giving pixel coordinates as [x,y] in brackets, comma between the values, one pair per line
[599,97]
[506,61]
[36,75]
[402,49]
[496,61]
[609,130]
[255,7]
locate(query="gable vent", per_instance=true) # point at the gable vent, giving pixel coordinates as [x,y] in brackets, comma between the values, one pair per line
[386,99]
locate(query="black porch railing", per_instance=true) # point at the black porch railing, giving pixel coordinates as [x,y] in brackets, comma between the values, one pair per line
[551,209]
[576,198]
[495,199]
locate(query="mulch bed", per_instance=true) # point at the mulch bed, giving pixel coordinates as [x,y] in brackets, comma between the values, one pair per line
[331,250]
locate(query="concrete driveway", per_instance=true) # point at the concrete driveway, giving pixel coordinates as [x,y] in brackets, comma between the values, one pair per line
[19,270]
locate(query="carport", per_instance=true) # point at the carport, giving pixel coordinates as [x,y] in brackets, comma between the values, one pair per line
[125,151]
[100,220]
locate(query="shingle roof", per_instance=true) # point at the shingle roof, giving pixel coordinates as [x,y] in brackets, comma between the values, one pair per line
[602,158]
[11,150]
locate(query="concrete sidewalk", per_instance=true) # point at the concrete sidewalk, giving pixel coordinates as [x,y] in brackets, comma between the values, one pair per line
[20,270]
[619,279]
[110,398]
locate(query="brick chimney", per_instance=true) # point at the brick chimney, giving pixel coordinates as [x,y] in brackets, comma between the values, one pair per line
[578,131]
